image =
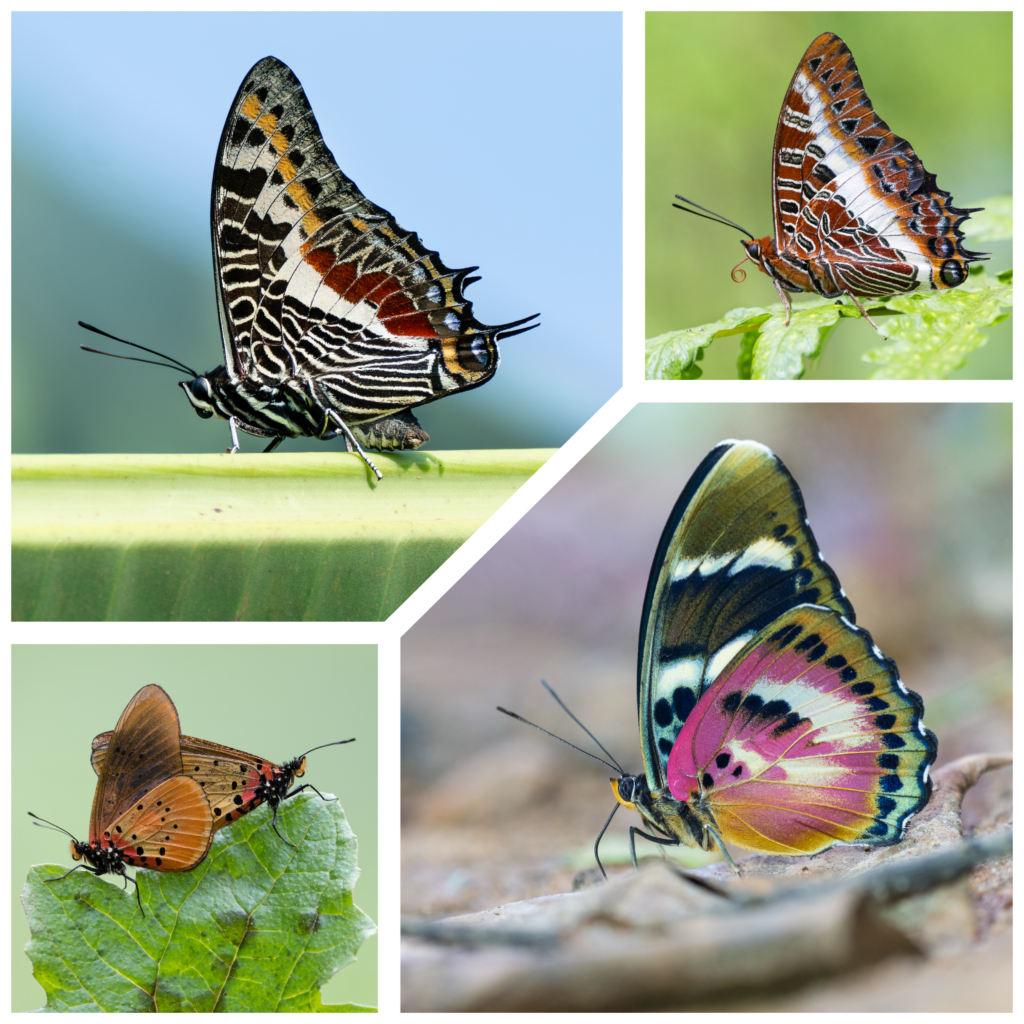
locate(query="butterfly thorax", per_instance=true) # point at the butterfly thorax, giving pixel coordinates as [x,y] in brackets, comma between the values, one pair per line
[764,253]
[104,860]
[286,409]
[678,819]
[297,407]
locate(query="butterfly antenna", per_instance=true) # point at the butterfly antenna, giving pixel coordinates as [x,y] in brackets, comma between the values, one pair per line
[177,363]
[48,824]
[336,742]
[582,726]
[716,217]
[526,721]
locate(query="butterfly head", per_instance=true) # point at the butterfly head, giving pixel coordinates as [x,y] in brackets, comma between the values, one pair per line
[200,393]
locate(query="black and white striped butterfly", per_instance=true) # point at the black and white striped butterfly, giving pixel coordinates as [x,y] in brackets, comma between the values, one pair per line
[334,320]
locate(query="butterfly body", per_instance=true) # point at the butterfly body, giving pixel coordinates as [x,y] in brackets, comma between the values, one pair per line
[768,719]
[233,781]
[684,822]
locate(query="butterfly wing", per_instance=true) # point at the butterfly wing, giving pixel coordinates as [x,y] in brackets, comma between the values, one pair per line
[807,738]
[736,553]
[228,777]
[852,195]
[169,829]
[143,752]
[315,281]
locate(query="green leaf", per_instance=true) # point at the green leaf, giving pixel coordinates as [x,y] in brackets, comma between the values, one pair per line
[993,223]
[936,333]
[256,537]
[257,927]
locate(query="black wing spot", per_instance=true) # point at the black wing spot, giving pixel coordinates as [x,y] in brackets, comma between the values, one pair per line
[890,783]
[884,722]
[892,740]
[683,702]
[663,713]
[862,689]
[890,761]
[731,702]
[723,759]
[737,771]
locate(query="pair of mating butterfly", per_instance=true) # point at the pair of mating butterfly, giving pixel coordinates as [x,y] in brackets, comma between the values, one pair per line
[767,718]
[160,796]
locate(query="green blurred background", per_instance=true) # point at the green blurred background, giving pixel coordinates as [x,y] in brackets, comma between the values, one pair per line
[275,701]
[715,85]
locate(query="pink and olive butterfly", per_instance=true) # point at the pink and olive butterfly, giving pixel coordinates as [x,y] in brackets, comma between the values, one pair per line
[234,782]
[334,319]
[855,211]
[767,718]
[145,812]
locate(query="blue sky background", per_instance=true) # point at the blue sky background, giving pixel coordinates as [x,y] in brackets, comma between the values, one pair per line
[496,137]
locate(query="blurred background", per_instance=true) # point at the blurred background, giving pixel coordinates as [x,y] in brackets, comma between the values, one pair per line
[715,85]
[910,504]
[64,694]
[495,137]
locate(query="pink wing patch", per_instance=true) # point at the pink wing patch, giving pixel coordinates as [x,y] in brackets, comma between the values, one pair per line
[807,738]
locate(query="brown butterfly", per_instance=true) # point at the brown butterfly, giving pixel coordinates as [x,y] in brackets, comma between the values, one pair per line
[145,813]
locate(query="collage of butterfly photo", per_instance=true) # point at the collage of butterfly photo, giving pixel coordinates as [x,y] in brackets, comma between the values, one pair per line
[579,579]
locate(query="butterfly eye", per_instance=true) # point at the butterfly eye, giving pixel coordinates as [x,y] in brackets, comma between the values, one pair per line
[200,394]
[200,389]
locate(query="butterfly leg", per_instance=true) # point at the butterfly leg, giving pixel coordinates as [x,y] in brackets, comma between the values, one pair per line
[856,302]
[234,436]
[634,832]
[96,871]
[297,789]
[597,842]
[864,312]
[232,424]
[718,839]
[355,446]
[785,299]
